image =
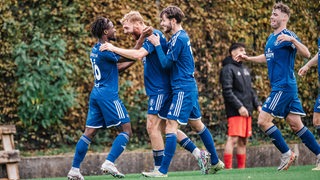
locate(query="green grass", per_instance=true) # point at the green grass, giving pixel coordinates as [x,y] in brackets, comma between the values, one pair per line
[260,173]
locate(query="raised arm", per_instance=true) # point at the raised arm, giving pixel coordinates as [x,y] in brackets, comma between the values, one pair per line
[301,48]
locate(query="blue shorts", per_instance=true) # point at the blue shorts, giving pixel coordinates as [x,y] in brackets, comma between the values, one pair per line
[105,110]
[280,104]
[156,103]
[184,107]
[316,107]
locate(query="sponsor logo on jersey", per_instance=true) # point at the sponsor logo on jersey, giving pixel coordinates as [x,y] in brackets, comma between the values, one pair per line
[269,54]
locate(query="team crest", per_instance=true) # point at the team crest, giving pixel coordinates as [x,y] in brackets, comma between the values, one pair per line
[151,103]
[171,106]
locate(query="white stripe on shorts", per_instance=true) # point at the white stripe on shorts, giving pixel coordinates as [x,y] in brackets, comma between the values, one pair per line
[179,104]
[119,109]
[275,100]
[159,102]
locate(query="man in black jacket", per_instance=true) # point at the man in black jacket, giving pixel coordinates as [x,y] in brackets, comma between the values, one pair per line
[240,99]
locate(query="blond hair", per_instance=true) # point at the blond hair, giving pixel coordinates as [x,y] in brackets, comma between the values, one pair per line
[132,16]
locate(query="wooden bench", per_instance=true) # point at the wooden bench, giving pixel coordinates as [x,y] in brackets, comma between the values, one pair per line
[9,156]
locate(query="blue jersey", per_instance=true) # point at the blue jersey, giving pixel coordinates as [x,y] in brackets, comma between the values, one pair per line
[182,70]
[105,69]
[156,79]
[280,60]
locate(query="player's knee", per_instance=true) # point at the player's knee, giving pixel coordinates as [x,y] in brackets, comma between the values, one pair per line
[90,132]
[196,125]
[129,133]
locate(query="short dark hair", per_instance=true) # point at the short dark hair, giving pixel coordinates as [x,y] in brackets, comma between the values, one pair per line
[98,26]
[173,12]
[236,46]
[282,7]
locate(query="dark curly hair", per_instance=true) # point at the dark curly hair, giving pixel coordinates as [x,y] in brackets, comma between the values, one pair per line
[98,26]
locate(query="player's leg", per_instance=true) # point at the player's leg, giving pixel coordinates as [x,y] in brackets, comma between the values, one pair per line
[316,122]
[118,146]
[93,122]
[169,150]
[265,123]
[170,147]
[202,156]
[158,106]
[304,133]
[206,137]
[277,104]
[294,120]
[80,153]
[115,115]
[154,126]
[316,115]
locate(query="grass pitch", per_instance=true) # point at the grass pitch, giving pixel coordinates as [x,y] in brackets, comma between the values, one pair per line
[259,173]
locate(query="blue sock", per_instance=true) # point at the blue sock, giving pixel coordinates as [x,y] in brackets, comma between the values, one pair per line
[208,142]
[187,144]
[277,139]
[118,146]
[309,140]
[81,151]
[318,130]
[157,156]
[170,148]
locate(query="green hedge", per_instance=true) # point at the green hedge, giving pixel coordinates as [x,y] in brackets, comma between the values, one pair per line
[46,75]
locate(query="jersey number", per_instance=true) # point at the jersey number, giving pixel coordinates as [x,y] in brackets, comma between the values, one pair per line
[96,71]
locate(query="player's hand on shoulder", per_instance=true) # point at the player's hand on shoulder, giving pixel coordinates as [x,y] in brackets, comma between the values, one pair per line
[154,39]
[147,31]
[106,47]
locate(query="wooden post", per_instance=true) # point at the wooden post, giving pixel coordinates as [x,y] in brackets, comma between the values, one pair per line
[9,156]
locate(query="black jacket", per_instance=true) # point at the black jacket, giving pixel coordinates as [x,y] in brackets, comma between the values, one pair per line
[237,91]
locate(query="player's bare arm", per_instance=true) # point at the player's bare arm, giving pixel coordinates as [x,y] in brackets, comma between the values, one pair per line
[134,54]
[243,57]
[124,65]
[314,61]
